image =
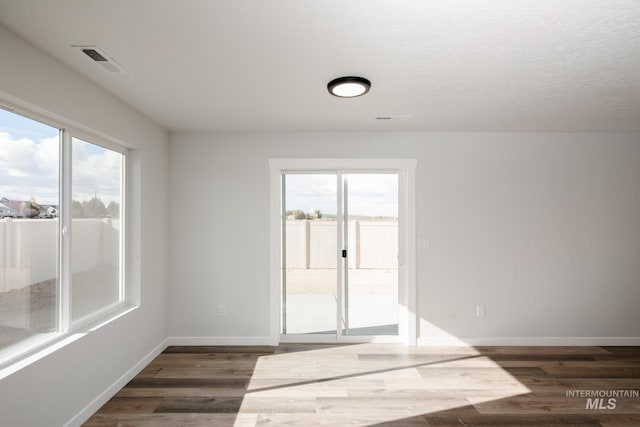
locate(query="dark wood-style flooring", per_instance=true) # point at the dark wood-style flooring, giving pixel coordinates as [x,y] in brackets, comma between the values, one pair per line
[380,385]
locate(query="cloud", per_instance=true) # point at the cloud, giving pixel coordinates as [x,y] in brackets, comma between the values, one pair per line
[309,192]
[369,194]
[97,172]
[373,194]
[30,168]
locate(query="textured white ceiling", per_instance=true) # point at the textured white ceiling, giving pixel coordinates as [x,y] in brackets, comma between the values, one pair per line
[495,65]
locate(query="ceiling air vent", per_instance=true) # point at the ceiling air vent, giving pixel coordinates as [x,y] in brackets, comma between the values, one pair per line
[101,58]
[396,117]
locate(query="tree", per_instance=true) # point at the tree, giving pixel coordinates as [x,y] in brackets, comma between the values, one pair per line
[94,208]
[297,214]
[29,209]
[300,214]
[77,211]
[113,210]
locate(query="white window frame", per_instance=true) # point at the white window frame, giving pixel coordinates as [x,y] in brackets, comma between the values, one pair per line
[33,348]
[122,292]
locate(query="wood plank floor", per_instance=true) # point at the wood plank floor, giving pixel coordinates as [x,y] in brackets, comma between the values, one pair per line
[380,385]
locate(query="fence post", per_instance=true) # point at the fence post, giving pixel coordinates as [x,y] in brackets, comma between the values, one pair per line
[8,252]
[356,246]
[307,244]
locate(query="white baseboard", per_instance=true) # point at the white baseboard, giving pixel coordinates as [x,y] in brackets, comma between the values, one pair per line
[92,407]
[104,397]
[220,341]
[528,341]
[427,341]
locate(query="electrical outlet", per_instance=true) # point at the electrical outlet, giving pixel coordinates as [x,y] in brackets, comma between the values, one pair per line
[481,310]
[222,310]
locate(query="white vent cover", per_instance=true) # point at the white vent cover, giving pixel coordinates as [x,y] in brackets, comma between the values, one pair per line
[99,57]
[394,117]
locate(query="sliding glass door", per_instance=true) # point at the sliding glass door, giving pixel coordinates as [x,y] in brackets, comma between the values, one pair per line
[370,229]
[339,254]
[310,264]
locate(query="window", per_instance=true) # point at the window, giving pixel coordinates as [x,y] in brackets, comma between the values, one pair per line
[95,228]
[61,232]
[29,201]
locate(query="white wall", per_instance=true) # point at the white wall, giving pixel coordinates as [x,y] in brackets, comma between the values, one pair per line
[542,229]
[56,388]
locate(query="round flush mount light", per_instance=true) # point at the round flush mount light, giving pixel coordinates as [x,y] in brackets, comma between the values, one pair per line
[348,87]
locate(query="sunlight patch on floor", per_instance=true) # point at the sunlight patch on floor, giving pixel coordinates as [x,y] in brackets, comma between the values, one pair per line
[340,383]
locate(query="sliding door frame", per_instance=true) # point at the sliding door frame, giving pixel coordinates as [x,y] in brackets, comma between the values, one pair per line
[405,168]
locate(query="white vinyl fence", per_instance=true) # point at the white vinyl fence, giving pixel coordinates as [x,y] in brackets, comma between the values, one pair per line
[29,248]
[312,244]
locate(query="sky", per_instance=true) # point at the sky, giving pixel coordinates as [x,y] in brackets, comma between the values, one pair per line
[372,195]
[29,159]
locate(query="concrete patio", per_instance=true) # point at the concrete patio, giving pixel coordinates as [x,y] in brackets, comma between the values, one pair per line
[311,301]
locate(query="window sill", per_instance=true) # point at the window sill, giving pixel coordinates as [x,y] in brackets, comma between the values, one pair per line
[19,356]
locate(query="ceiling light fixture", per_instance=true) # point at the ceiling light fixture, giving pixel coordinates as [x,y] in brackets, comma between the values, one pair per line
[348,87]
